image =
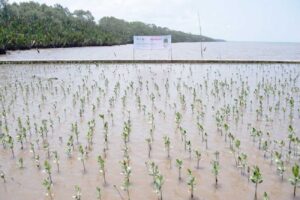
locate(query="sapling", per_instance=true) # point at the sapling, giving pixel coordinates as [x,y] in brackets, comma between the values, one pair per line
[158,183]
[75,131]
[47,184]
[189,145]
[2,176]
[10,142]
[198,157]
[77,195]
[37,161]
[281,168]
[20,138]
[149,142]
[266,196]
[32,150]
[126,171]
[178,119]
[101,163]
[256,178]
[99,196]
[179,165]
[215,170]
[48,169]
[56,160]
[82,156]
[191,182]
[21,163]
[167,145]
[153,170]
[295,179]
[217,155]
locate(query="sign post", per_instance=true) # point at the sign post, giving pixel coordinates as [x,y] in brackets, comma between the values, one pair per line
[160,42]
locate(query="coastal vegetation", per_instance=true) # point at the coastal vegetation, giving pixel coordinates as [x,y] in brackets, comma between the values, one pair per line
[32,25]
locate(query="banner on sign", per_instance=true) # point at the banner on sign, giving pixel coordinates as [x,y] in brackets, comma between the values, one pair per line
[152,42]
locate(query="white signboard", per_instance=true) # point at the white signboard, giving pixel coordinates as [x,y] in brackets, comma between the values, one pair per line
[152,42]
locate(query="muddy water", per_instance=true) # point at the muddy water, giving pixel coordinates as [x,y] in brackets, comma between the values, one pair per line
[24,87]
[180,51]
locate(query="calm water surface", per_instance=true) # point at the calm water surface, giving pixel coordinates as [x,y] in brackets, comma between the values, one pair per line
[213,50]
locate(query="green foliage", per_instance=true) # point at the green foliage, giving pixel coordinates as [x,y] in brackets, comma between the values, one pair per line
[33,25]
[256,176]
[191,182]
[295,179]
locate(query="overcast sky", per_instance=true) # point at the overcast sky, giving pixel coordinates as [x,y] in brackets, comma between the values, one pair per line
[233,20]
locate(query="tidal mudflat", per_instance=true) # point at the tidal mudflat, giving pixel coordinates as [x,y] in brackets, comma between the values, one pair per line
[160,131]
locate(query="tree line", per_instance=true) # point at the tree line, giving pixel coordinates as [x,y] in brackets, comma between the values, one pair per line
[32,25]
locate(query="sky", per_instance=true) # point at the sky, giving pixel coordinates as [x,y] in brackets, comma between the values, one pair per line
[232,20]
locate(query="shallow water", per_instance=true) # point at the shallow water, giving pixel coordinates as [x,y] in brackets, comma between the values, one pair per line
[180,51]
[23,88]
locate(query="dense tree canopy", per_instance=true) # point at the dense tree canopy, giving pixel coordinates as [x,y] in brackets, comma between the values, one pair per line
[30,25]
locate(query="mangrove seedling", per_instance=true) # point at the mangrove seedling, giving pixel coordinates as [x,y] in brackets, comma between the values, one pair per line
[266,196]
[20,163]
[2,176]
[295,179]
[101,163]
[56,160]
[37,161]
[158,183]
[198,157]
[10,142]
[215,170]
[77,195]
[149,142]
[167,145]
[189,145]
[32,150]
[126,171]
[99,196]
[179,165]
[191,182]
[281,168]
[256,178]
[82,156]
[47,184]
[153,170]
[217,155]
[48,169]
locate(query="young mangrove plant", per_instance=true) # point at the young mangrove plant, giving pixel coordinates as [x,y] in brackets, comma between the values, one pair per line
[191,182]
[77,195]
[149,142]
[101,163]
[198,157]
[266,196]
[280,168]
[153,170]
[10,142]
[215,170]
[126,171]
[20,163]
[99,196]
[81,156]
[56,160]
[295,179]
[2,176]
[47,184]
[179,166]
[47,167]
[189,147]
[256,178]
[167,145]
[158,183]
